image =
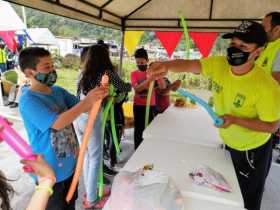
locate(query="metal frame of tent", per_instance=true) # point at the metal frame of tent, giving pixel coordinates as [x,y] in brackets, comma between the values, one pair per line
[160,15]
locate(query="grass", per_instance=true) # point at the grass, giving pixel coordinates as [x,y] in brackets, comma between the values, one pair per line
[67,78]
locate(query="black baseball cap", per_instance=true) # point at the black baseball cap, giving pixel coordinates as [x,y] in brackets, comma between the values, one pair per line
[249,32]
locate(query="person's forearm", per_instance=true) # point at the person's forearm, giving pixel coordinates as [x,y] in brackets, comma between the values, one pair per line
[257,125]
[174,87]
[143,86]
[161,84]
[39,200]
[181,65]
[40,197]
[67,117]
[165,91]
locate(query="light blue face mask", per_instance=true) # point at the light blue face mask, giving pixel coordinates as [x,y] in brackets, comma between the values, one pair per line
[48,79]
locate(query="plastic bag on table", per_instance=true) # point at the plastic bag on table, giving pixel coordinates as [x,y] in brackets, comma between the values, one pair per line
[206,176]
[144,190]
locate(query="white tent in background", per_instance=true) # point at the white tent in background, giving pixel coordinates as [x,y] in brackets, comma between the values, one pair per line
[42,36]
[9,20]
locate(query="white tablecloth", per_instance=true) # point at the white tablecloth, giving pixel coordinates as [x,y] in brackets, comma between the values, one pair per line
[197,204]
[184,125]
[178,159]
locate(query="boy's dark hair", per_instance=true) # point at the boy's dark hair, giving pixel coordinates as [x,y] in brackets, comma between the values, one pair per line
[275,18]
[141,53]
[29,57]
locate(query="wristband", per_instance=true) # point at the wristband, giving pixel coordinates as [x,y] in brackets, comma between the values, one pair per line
[46,188]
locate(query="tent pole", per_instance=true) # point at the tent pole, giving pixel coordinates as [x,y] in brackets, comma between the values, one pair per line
[24,15]
[121,73]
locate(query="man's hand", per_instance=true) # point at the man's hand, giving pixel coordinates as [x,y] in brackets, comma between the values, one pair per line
[228,120]
[175,85]
[157,70]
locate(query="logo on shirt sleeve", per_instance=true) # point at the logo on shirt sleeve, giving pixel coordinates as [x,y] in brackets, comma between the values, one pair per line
[239,100]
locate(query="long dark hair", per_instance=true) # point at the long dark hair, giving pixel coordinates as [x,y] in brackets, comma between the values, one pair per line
[97,62]
[6,190]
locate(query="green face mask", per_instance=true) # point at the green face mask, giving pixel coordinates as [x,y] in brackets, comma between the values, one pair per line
[48,79]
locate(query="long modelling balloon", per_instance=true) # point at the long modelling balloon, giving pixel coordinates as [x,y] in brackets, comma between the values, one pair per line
[105,116]
[217,121]
[103,125]
[90,123]
[186,33]
[148,103]
[101,179]
[14,140]
[113,128]
[109,107]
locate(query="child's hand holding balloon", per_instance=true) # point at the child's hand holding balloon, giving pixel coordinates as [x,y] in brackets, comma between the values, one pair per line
[41,169]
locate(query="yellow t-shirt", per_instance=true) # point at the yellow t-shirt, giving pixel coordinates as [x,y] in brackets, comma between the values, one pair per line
[3,56]
[267,57]
[253,95]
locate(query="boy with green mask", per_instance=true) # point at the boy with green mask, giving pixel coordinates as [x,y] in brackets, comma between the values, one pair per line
[48,112]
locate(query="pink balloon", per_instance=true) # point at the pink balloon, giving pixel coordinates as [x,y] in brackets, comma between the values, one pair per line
[14,140]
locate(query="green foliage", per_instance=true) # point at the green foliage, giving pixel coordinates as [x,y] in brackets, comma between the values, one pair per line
[71,61]
[11,76]
[57,59]
[61,26]
[128,67]
[67,78]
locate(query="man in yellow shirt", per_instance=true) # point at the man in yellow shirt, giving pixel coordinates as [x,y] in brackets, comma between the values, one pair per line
[3,58]
[269,59]
[248,101]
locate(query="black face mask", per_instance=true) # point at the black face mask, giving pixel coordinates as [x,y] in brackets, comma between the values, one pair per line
[142,67]
[236,57]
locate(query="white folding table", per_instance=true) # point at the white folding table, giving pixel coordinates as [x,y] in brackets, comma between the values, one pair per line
[184,125]
[178,159]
